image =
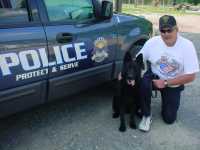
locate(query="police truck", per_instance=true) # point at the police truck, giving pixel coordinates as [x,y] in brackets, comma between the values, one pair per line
[51,49]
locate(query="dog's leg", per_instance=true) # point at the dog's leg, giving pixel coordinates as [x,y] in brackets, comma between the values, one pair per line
[132,117]
[138,110]
[116,99]
[138,104]
[115,107]
[122,127]
[122,102]
[132,123]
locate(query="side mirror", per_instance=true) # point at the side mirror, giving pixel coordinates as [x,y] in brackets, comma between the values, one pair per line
[106,10]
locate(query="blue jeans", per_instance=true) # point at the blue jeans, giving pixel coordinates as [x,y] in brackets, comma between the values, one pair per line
[170,99]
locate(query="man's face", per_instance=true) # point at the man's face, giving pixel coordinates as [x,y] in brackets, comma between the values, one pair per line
[169,35]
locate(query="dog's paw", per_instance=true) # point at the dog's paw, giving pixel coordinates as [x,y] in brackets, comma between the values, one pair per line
[115,115]
[133,125]
[122,128]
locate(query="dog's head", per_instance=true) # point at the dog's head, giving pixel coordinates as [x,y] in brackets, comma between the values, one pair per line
[131,71]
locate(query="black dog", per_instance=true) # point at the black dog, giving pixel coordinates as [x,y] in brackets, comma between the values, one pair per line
[127,97]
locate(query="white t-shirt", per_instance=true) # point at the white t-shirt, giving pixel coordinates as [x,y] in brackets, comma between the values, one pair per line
[170,62]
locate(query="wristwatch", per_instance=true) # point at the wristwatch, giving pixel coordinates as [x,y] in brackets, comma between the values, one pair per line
[166,83]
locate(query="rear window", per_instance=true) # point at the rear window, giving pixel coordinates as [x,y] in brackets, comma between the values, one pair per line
[13,11]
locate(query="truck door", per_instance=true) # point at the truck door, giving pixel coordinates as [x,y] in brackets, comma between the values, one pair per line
[81,49]
[23,75]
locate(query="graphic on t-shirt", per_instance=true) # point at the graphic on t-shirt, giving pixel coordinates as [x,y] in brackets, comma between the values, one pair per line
[168,66]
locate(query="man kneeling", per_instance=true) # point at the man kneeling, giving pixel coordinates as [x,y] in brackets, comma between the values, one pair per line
[174,60]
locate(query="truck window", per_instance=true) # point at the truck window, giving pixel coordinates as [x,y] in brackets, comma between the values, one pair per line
[68,10]
[13,12]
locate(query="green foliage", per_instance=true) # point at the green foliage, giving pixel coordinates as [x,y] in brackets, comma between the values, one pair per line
[148,9]
[195,2]
[130,9]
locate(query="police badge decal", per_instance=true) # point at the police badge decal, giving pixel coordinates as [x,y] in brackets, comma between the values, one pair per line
[100,50]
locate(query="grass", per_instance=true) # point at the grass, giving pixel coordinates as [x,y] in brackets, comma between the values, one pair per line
[130,9]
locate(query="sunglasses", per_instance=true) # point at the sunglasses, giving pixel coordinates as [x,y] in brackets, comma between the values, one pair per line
[166,30]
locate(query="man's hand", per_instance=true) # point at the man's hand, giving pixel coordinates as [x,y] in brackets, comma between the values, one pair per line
[176,81]
[160,84]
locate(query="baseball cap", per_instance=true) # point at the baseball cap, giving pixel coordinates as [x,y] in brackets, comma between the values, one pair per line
[167,21]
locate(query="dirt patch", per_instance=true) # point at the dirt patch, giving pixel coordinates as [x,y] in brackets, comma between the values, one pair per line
[186,23]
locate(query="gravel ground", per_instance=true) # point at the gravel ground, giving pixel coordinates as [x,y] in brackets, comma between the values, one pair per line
[84,122]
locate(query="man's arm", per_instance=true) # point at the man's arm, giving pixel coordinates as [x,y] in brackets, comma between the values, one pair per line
[176,81]
[182,79]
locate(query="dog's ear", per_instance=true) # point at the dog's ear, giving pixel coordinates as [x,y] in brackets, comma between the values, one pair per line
[127,57]
[139,60]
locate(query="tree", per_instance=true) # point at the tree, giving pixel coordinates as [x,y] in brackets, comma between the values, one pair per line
[135,3]
[156,2]
[118,4]
[195,2]
[174,2]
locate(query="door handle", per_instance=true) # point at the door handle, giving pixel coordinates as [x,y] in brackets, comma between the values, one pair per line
[64,38]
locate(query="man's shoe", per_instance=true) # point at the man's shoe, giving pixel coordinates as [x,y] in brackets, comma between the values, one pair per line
[145,123]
